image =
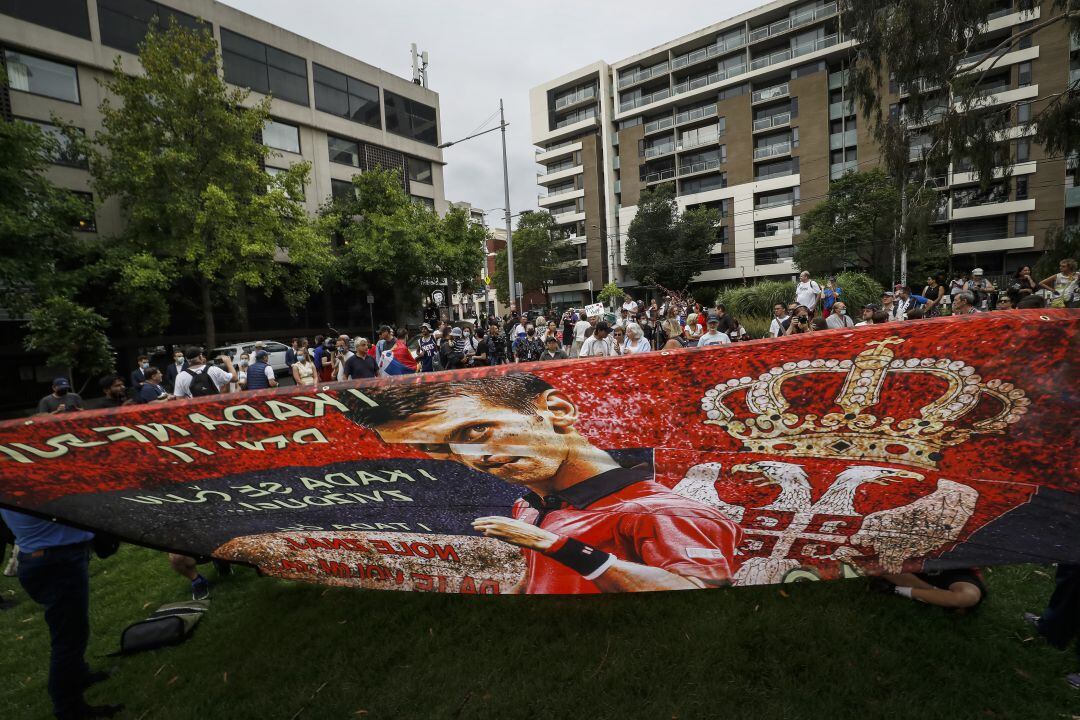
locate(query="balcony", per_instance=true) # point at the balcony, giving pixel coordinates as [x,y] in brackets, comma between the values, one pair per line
[819,44]
[845,139]
[656,151]
[562,172]
[770,93]
[688,116]
[837,170]
[564,148]
[659,124]
[917,152]
[552,197]
[774,150]
[574,98]
[698,167]
[715,50]
[695,140]
[778,120]
[779,172]
[774,202]
[641,75]
[644,100]
[809,15]
[656,177]
[576,117]
[771,30]
[841,108]
[1072,197]
[771,59]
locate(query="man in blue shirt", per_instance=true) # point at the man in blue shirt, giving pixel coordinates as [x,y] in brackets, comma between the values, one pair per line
[54,564]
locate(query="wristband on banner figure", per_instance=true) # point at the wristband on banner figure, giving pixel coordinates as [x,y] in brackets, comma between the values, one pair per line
[583,559]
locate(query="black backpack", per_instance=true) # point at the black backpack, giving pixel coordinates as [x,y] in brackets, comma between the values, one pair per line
[201,383]
[168,625]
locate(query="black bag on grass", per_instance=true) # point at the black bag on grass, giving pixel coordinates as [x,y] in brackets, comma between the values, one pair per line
[170,624]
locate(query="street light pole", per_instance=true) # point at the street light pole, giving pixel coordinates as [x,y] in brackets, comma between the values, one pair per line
[506,197]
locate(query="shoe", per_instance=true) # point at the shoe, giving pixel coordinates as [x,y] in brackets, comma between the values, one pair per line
[95,677]
[1032,619]
[222,567]
[200,588]
[1074,680]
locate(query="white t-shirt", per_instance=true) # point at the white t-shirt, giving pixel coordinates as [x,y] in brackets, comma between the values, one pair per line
[630,307]
[806,294]
[776,327]
[632,348]
[182,387]
[713,338]
[341,365]
[580,328]
[595,347]
[836,320]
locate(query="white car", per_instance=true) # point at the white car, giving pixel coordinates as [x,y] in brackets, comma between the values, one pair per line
[275,350]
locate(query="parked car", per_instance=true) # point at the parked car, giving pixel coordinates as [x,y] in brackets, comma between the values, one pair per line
[275,349]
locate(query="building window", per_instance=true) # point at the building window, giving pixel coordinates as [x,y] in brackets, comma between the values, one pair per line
[425,201]
[411,119]
[66,16]
[273,172]
[39,76]
[1023,113]
[1020,224]
[344,152]
[1023,74]
[281,136]
[64,154]
[124,23]
[265,69]
[1023,150]
[704,184]
[86,222]
[1021,188]
[419,170]
[342,190]
[1025,41]
[339,94]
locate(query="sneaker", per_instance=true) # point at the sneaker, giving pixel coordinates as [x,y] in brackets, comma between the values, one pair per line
[1074,680]
[200,588]
[1032,619]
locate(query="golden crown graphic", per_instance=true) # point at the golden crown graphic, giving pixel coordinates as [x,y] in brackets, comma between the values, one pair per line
[855,433]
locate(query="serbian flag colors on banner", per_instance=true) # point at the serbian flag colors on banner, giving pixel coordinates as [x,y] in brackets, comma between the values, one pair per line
[397,360]
[918,446]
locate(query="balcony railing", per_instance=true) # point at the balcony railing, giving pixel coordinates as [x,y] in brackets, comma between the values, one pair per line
[575,118]
[1072,197]
[691,141]
[819,44]
[811,14]
[780,148]
[659,124]
[838,141]
[916,152]
[568,100]
[774,230]
[779,172]
[771,59]
[559,212]
[994,89]
[716,49]
[775,202]
[658,150]
[553,193]
[836,170]
[556,169]
[644,100]
[642,74]
[698,167]
[979,55]
[658,176]
[695,114]
[767,31]
[771,93]
[783,118]
[565,143]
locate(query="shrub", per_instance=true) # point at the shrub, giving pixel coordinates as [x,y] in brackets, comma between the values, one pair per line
[756,326]
[757,299]
[858,289]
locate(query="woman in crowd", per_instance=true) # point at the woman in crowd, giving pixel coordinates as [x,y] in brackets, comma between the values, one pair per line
[800,322]
[831,294]
[303,370]
[635,340]
[693,329]
[1063,285]
[670,328]
[933,292]
[1023,284]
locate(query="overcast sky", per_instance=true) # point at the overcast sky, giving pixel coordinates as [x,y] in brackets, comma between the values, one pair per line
[483,50]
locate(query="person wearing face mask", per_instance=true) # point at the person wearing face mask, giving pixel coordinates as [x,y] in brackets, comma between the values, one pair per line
[177,366]
[303,370]
[138,375]
[241,373]
[838,318]
[470,343]
[61,399]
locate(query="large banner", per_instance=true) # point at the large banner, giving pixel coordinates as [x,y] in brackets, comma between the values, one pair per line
[902,447]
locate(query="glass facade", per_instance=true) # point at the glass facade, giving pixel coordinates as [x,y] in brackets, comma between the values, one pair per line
[66,16]
[411,119]
[343,151]
[39,76]
[63,155]
[265,69]
[339,94]
[124,23]
[281,136]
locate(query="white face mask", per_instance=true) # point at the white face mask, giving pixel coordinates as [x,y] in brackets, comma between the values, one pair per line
[179,360]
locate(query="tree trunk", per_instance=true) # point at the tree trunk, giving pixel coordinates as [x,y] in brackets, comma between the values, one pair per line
[208,315]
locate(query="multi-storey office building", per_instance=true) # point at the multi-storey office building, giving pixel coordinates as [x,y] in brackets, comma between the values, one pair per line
[749,116]
[334,111]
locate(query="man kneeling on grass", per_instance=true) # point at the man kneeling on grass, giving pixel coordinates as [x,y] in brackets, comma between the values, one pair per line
[961,588]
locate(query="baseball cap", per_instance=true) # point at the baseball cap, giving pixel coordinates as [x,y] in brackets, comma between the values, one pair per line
[455,332]
[61,382]
[887,294]
[260,354]
[425,326]
[713,318]
[977,271]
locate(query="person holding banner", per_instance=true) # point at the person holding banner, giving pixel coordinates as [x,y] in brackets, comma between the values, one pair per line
[586,524]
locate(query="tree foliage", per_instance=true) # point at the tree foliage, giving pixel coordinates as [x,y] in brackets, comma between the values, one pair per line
[1060,244]
[388,242]
[665,247]
[182,153]
[71,335]
[759,299]
[856,226]
[539,248]
[610,293]
[936,52]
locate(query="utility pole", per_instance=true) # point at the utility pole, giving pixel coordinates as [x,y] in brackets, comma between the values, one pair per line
[903,243]
[506,194]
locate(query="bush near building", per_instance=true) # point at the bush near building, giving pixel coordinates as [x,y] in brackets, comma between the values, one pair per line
[758,300]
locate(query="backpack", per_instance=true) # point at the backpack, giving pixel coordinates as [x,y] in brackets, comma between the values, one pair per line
[201,383]
[170,624]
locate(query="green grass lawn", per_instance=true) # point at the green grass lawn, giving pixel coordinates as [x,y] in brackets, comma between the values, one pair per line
[273,649]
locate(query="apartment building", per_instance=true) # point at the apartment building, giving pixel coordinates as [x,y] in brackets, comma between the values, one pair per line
[338,113]
[749,116]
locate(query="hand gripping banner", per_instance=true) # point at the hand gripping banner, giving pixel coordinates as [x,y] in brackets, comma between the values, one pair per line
[914,446]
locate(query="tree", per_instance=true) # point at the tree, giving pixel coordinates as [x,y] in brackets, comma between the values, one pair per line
[183,154]
[1060,244]
[389,243]
[664,247]
[610,293]
[539,250]
[931,48]
[40,257]
[855,227]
